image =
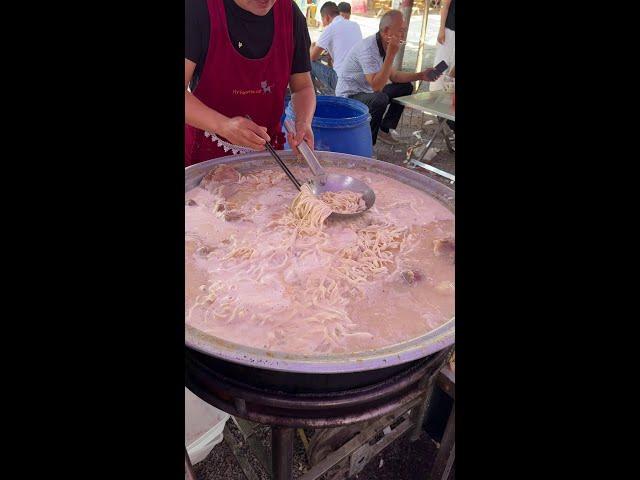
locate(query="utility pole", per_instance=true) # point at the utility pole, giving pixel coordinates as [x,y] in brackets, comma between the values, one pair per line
[406,7]
[422,41]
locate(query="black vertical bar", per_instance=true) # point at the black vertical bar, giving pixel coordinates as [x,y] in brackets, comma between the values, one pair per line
[282,452]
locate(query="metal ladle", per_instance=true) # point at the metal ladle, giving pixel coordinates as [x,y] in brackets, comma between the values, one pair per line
[331,182]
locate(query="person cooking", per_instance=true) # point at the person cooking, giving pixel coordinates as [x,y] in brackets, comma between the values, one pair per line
[240,56]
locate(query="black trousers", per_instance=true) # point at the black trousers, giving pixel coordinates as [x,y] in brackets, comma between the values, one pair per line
[378,103]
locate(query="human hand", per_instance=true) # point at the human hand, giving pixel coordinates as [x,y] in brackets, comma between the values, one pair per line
[242,131]
[427,72]
[393,45]
[441,36]
[303,132]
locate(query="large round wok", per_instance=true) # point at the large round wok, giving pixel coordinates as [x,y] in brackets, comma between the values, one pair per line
[224,355]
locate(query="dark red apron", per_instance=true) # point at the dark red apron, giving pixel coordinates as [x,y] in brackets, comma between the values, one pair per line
[237,86]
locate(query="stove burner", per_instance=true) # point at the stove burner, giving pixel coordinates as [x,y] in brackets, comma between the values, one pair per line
[285,411]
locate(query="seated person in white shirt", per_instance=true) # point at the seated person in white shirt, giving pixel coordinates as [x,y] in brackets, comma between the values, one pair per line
[338,37]
[367,70]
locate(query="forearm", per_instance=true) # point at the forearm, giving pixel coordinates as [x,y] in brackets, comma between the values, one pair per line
[198,115]
[444,11]
[303,101]
[406,77]
[381,78]
[315,52]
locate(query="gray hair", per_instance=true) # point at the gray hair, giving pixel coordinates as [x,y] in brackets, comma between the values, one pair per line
[388,18]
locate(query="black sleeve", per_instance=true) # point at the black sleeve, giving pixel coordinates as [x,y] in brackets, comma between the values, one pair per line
[301,43]
[196,30]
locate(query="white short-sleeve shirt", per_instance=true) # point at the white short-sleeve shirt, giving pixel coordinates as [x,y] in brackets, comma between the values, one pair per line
[338,39]
[363,59]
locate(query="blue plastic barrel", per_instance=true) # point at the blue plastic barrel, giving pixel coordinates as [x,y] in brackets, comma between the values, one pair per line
[287,99]
[340,125]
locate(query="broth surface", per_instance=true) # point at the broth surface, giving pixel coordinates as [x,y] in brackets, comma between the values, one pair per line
[253,278]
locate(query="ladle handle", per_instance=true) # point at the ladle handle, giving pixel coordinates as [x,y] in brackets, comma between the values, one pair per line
[306,152]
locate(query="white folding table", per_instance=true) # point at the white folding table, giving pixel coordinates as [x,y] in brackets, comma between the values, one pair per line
[440,105]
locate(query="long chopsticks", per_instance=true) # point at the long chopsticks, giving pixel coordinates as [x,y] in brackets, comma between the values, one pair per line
[284,167]
[280,162]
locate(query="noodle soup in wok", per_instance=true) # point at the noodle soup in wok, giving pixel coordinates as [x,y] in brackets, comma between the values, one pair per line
[263,273]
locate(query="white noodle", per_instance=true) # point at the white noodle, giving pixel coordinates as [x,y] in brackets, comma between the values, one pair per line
[344,201]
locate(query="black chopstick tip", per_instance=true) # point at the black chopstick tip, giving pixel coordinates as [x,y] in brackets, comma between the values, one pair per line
[280,161]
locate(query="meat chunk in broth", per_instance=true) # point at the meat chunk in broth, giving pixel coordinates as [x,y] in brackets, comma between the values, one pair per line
[219,175]
[445,247]
[411,276]
[232,215]
[227,210]
[227,191]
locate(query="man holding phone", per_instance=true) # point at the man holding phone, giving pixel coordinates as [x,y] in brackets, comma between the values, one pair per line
[367,75]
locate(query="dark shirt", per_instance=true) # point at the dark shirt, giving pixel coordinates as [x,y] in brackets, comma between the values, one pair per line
[451,17]
[253,32]
[380,47]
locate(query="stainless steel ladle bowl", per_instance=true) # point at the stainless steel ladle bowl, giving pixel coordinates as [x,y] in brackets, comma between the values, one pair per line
[332,182]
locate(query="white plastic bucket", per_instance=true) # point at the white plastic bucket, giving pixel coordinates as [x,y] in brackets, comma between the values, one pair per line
[203,426]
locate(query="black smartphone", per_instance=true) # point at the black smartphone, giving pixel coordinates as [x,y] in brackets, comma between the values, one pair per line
[438,70]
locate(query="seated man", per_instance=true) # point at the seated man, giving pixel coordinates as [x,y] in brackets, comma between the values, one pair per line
[338,37]
[345,10]
[367,70]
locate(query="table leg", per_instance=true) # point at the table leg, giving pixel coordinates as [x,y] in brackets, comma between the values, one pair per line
[441,124]
[447,133]
[426,166]
[446,452]
[282,452]
[187,465]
